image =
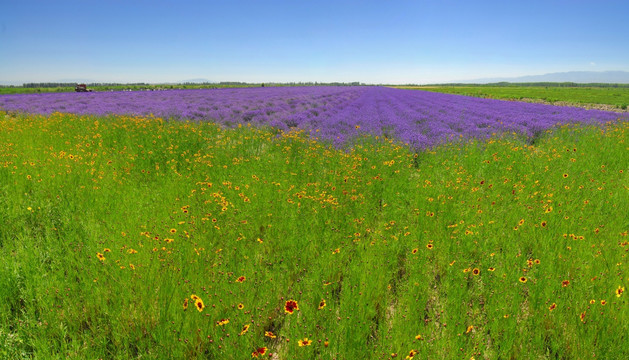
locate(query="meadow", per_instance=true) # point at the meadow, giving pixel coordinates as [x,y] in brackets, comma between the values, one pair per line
[139,236]
[617,97]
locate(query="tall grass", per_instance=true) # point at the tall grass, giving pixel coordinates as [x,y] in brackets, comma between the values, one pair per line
[617,97]
[492,249]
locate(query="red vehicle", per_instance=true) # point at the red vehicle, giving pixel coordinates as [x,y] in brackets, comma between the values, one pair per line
[81,88]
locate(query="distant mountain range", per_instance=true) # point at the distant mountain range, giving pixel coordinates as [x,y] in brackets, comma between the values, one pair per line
[584,77]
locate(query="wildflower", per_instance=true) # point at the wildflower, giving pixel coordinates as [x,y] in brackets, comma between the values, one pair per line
[241,279]
[523,279]
[592,301]
[244,330]
[194,297]
[185,304]
[491,269]
[106,250]
[619,291]
[199,304]
[544,224]
[429,246]
[336,251]
[412,354]
[565,175]
[521,222]
[565,283]
[241,306]
[222,322]
[100,256]
[172,231]
[322,304]
[415,251]
[469,329]
[291,306]
[537,261]
[305,342]
[582,317]
[476,271]
[270,334]
[603,302]
[418,337]
[552,307]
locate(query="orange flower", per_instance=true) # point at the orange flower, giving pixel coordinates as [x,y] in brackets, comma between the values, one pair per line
[270,334]
[552,307]
[565,283]
[241,279]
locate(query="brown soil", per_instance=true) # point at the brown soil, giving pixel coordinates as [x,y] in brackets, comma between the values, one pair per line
[603,107]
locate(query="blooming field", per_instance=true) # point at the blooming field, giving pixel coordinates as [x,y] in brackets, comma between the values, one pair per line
[339,114]
[133,237]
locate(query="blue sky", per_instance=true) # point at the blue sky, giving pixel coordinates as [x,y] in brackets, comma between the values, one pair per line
[263,41]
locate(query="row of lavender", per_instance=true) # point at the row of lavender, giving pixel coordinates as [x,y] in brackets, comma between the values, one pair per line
[422,119]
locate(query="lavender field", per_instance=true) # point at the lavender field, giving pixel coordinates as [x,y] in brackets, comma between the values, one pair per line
[338,114]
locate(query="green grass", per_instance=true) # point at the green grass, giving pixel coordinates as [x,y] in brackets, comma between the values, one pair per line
[618,97]
[388,238]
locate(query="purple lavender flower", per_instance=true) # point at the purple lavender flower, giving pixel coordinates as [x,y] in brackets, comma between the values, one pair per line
[339,114]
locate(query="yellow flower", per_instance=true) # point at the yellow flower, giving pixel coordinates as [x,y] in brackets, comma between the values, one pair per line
[244,329]
[305,342]
[199,304]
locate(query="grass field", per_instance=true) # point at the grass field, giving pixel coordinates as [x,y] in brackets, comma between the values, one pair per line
[128,237]
[618,97]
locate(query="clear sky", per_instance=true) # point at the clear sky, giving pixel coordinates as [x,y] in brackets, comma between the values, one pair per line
[382,41]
